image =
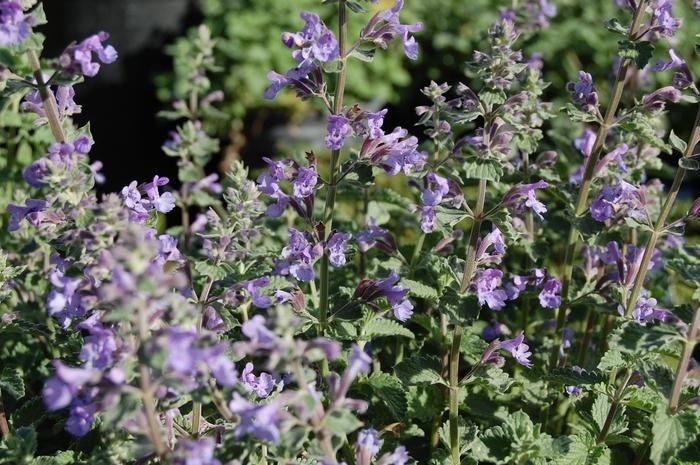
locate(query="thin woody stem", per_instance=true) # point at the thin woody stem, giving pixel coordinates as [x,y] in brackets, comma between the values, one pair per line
[682,369]
[197,406]
[454,396]
[4,426]
[48,100]
[660,224]
[584,191]
[334,165]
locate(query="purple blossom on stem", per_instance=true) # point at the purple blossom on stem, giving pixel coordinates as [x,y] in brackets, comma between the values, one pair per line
[261,385]
[305,182]
[522,196]
[394,152]
[583,92]
[487,286]
[314,42]
[663,21]
[656,101]
[77,59]
[164,202]
[375,121]
[195,452]
[80,418]
[30,211]
[374,235]
[518,349]
[65,103]
[549,296]
[337,244]
[260,421]
[493,330]
[612,200]
[300,256]
[338,130]
[14,25]
[367,446]
[385,26]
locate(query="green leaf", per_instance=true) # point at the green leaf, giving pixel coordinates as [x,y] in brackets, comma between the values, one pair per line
[421,369]
[64,457]
[210,271]
[12,383]
[671,433]
[577,115]
[583,450]
[420,290]
[391,391]
[689,164]
[384,327]
[480,168]
[567,376]
[677,143]
[614,25]
[342,422]
[639,52]
[450,216]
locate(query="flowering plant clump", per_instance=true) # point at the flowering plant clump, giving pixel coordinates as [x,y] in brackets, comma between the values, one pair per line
[522,294]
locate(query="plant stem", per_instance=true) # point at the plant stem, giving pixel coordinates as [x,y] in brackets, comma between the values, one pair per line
[591,320]
[470,262]
[454,395]
[417,250]
[335,161]
[316,418]
[614,405]
[197,406]
[584,191]
[149,405]
[661,221]
[4,426]
[48,100]
[682,369]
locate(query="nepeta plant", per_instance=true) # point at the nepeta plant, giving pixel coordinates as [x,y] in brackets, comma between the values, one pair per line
[503,283]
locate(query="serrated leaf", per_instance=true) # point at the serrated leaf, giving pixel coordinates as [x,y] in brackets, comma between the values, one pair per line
[420,290]
[383,327]
[640,52]
[210,271]
[480,168]
[12,383]
[391,391]
[568,376]
[671,433]
[614,25]
[341,422]
[421,369]
[583,450]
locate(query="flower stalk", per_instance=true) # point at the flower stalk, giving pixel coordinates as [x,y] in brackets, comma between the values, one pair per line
[682,369]
[334,165]
[197,406]
[454,395]
[660,224]
[4,426]
[586,182]
[614,405]
[47,98]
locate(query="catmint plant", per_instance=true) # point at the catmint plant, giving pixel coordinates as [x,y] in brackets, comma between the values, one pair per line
[504,281]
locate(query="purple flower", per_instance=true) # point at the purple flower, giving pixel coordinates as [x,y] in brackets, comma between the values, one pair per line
[575,391]
[161,202]
[30,211]
[585,142]
[305,182]
[65,103]
[77,59]
[80,418]
[394,152]
[549,296]
[518,349]
[338,130]
[664,23]
[300,256]
[255,330]
[487,284]
[495,239]
[168,251]
[647,310]
[616,199]
[515,286]
[583,92]
[14,25]
[337,245]
[261,385]
[260,421]
[523,196]
[396,296]
[437,187]
[384,26]
[398,457]
[63,387]
[656,101]
[614,156]
[674,63]
[195,452]
[375,121]
[493,330]
[367,446]
[427,219]
[314,42]
[373,235]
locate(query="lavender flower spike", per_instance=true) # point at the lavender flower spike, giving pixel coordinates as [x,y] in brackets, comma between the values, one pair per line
[14,25]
